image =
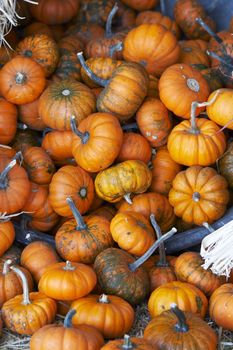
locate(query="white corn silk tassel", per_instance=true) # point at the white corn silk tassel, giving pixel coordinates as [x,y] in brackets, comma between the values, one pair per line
[217,250]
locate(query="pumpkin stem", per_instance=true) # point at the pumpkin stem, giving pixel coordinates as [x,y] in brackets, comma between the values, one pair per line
[115,48]
[83,136]
[133,266]
[208,227]
[128,199]
[69,266]
[127,342]
[209,30]
[4,174]
[103,299]
[196,196]
[26,300]
[108,28]
[130,127]
[181,326]
[226,61]
[6,266]
[68,318]
[78,217]
[162,255]
[20,78]
[92,76]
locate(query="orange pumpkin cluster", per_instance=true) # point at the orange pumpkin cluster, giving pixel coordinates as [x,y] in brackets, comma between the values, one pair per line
[113,131]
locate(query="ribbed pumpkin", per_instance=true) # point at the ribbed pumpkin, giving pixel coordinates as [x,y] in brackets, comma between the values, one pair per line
[8,121]
[182,80]
[58,145]
[74,182]
[199,194]
[97,141]
[82,239]
[134,147]
[190,55]
[159,51]
[221,306]
[7,234]
[131,176]
[220,110]
[22,80]
[128,343]
[63,99]
[29,115]
[132,232]
[42,49]
[164,170]
[154,121]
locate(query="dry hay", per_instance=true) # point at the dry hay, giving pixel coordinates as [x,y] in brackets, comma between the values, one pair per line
[11,341]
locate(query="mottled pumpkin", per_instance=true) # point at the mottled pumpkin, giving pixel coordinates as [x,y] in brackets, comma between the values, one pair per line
[190,55]
[159,51]
[199,194]
[220,307]
[132,176]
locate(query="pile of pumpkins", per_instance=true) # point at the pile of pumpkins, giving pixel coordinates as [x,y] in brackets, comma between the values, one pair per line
[114,134]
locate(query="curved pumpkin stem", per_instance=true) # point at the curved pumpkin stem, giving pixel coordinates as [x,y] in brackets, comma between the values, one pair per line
[221,59]
[115,48]
[162,255]
[92,76]
[6,266]
[78,217]
[133,266]
[108,27]
[4,174]
[128,199]
[26,300]
[209,30]
[68,318]
[103,299]
[127,343]
[83,136]
[181,326]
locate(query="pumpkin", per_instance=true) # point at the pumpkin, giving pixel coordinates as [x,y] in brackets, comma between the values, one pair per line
[8,121]
[71,181]
[199,194]
[154,121]
[70,44]
[39,165]
[124,18]
[29,115]
[185,295]
[22,80]
[153,17]
[37,28]
[31,258]
[184,329]
[66,281]
[7,151]
[190,55]
[186,12]
[220,109]
[24,139]
[67,68]
[10,283]
[213,79]
[7,234]
[182,80]
[87,31]
[124,92]
[225,165]
[14,185]
[159,51]
[164,170]
[197,141]
[152,203]
[188,268]
[109,314]
[53,11]
[103,67]
[220,306]
[63,99]
[82,239]
[97,141]
[132,232]
[58,145]
[25,314]
[161,272]
[63,336]
[94,11]
[42,49]
[110,45]
[153,87]
[141,5]
[120,274]
[106,211]
[134,147]
[131,176]
[219,43]
[128,343]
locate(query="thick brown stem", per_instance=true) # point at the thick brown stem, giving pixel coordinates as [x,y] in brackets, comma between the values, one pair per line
[209,30]
[108,28]
[133,266]
[78,217]
[162,255]
[181,326]
[68,318]
[83,136]
[92,76]
[26,300]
